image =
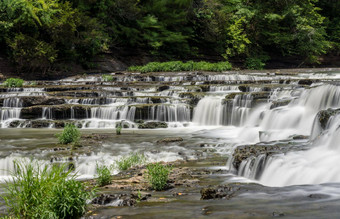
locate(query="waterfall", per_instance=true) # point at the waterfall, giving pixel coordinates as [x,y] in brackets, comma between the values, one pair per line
[320,164]
[209,111]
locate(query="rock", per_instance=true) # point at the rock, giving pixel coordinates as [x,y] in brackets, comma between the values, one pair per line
[307,81]
[324,116]
[278,214]
[153,125]
[300,137]
[162,88]
[170,140]
[220,192]
[120,199]
[279,103]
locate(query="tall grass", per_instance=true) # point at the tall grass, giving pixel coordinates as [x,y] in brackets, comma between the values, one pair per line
[40,191]
[157,175]
[129,161]
[182,66]
[104,175]
[70,134]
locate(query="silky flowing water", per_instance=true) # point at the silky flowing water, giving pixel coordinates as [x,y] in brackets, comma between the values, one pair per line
[214,113]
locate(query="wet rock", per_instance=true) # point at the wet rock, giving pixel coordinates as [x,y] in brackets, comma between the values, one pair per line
[58,112]
[324,116]
[279,103]
[318,196]
[300,137]
[164,87]
[14,124]
[153,125]
[220,192]
[194,97]
[278,214]
[120,199]
[307,81]
[170,140]
[41,100]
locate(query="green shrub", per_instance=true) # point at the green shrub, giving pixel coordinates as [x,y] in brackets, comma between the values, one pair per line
[104,175]
[157,175]
[39,191]
[119,129]
[129,161]
[174,66]
[254,63]
[70,134]
[108,78]
[13,82]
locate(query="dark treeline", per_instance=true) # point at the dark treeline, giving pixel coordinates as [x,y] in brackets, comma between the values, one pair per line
[38,34]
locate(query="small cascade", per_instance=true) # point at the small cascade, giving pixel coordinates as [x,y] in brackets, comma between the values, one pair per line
[170,113]
[209,111]
[11,110]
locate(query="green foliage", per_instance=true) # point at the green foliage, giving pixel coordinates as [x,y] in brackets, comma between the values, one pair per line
[254,63]
[126,162]
[180,66]
[70,134]
[39,191]
[13,82]
[108,78]
[157,175]
[104,175]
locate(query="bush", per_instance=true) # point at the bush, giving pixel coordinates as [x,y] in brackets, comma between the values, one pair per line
[104,175]
[13,82]
[180,66]
[254,63]
[131,160]
[157,175]
[70,134]
[107,78]
[45,192]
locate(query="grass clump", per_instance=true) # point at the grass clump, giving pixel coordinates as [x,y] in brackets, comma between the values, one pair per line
[39,191]
[174,66]
[13,82]
[108,78]
[104,175]
[129,161]
[157,175]
[70,134]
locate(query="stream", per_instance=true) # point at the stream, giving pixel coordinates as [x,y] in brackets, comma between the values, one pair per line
[275,132]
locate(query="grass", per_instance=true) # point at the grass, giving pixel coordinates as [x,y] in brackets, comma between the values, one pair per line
[70,134]
[129,161]
[13,82]
[104,175]
[157,176]
[108,78]
[41,191]
[174,66]
[119,129]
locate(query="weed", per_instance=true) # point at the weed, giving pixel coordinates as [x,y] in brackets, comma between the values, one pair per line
[13,82]
[157,175]
[104,175]
[131,160]
[70,134]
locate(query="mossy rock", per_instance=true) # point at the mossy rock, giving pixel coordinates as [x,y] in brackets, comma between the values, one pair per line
[153,125]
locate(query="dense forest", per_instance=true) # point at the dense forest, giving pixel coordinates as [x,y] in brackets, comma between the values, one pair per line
[37,34]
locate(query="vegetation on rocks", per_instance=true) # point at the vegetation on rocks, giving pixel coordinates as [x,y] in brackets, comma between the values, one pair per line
[41,191]
[130,160]
[70,134]
[182,66]
[13,82]
[104,175]
[157,175]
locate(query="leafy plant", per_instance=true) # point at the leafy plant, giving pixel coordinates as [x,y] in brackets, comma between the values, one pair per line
[13,82]
[119,128]
[180,66]
[254,63]
[108,78]
[104,175]
[70,134]
[157,175]
[129,161]
[41,191]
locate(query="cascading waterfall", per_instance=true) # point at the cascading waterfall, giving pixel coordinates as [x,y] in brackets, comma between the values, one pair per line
[314,166]
[209,111]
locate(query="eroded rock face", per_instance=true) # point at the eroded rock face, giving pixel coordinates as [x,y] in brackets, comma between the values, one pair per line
[120,199]
[153,125]
[324,115]
[169,140]
[220,192]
